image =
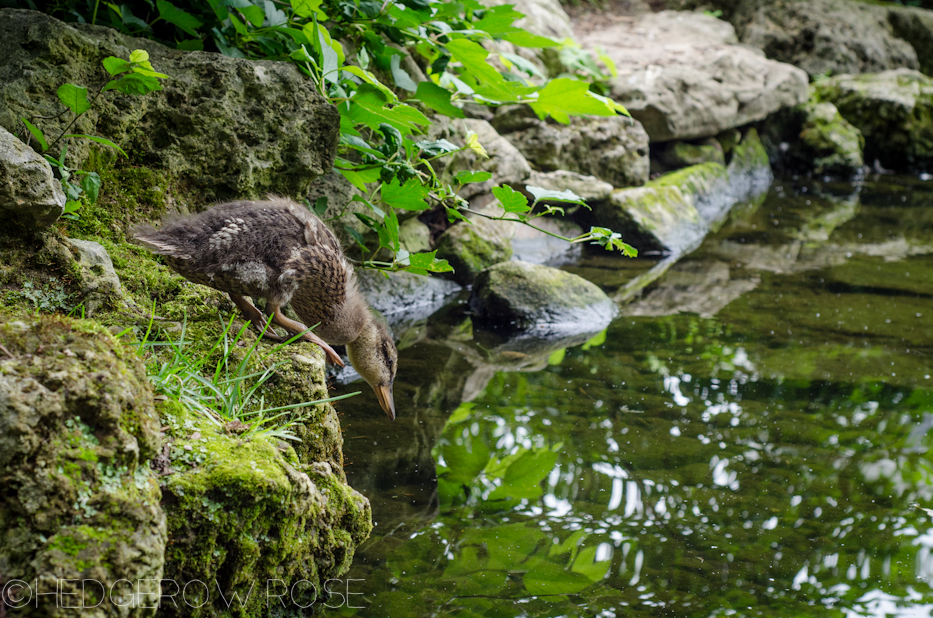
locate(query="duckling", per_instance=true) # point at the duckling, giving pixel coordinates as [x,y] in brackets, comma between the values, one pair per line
[279,251]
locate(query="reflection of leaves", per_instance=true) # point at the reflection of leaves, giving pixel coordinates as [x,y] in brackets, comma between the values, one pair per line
[545,577]
[522,478]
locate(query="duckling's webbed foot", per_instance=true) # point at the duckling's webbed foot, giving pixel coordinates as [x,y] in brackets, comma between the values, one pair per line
[256,317]
[297,327]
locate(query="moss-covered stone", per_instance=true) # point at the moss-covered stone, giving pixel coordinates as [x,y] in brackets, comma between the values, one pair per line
[78,500]
[893,110]
[473,246]
[684,154]
[246,512]
[652,218]
[830,143]
[523,296]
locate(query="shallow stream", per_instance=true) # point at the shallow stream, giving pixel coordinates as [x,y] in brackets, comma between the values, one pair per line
[751,437]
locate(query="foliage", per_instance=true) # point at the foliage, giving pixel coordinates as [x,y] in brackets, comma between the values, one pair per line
[134,77]
[229,392]
[50,298]
[365,62]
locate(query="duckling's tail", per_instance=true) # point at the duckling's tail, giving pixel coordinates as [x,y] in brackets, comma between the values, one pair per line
[158,242]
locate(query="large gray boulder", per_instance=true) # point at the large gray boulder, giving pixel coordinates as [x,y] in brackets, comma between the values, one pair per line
[915,26]
[893,110]
[683,76]
[227,127]
[80,502]
[29,193]
[613,149]
[526,296]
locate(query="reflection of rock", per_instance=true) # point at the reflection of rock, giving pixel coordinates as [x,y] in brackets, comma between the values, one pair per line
[683,76]
[701,287]
[539,299]
[893,110]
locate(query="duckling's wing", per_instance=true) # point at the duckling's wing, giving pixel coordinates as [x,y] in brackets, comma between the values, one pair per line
[322,274]
[159,242]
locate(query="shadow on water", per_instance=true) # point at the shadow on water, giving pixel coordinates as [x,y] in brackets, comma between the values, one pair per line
[750,438]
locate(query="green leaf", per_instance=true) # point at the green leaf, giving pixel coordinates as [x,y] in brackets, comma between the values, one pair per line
[497,20]
[99,140]
[71,209]
[369,78]
[402,79]
[567,196]
[254,15]
[388,231]
[435,148]
[438,99]
[74,97]
[421,264]
[490,83]
[190,45]
[510,199]
[545,577]
[359,178]
[307,8]
[184,20]
[467,176]
[91,185]
[134,83]
[139,55]
[408,197]
[563,97]
[464,461]
[523,38]
[115,66]
[320,206]
[276,16]
[36,133]
[586,565]
[368,107]
[523,64]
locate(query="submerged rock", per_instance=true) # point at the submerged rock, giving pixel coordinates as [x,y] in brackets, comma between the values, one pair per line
[29,193]
[79,500]
[893,110]
[683,76]
[229,127]
[521,296]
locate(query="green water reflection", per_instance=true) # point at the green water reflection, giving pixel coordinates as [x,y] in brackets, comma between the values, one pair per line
[773,460]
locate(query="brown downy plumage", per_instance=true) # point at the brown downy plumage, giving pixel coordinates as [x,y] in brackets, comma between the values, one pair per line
[279,251]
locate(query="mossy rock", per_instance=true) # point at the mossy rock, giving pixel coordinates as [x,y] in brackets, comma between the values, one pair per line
[522,296]
[684,154]
[78,500]
[893,110]
[829,142]
[243,511]
[472,246]
[659,217]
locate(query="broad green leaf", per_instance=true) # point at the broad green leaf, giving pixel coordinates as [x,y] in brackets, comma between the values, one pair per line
[405,17]
[609,62]
[115,66]
[359,178]
[566,196]
[421,264]
[358,143]
[99,140]
[523,38]
[254,15]
[409,196]
[320,206]
[368,107]
[74,97]
[563,97]
[545,577]
[139,55]
[489,82]
[438,99]
[301,55]
[523,477]
[568,545]
[191,45]
[134,83]
[437,147]
[369,78]
[586,565]
[402,79]
[467,176]
[307,8]
[70,211]
[173,15]
[523,64]
[275,15]
[36,133]
[510,199]
[498,19]
[91,185]
[388,232]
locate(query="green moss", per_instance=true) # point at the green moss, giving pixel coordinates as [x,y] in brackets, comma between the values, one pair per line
[693,180]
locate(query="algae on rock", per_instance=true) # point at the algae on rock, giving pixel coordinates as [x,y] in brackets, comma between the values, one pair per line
[78,500]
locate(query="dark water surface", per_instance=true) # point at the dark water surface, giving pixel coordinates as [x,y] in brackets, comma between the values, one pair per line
[751,438]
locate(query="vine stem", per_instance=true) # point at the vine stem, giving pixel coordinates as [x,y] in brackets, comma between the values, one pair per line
[100,91]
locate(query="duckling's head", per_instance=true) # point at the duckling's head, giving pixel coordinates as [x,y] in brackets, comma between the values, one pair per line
[375,358]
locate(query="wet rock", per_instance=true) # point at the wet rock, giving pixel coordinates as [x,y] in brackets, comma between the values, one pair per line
[685,154]
[537,247]
[472,246]
[828,143]
[403,297]
[79,500]
[521,296]
[750,173]
[589,188]
[613,149]
[246,510]
[228,127]
[99,281]
[893,110]
[654,218]
[825,36]
[683,76]
[29,193]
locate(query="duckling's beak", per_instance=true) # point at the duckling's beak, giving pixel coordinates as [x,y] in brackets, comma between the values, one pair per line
[386,400]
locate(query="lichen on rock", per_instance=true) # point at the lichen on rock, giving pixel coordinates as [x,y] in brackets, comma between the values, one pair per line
[78,500]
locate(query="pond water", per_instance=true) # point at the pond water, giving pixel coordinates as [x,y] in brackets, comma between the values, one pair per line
[751,437]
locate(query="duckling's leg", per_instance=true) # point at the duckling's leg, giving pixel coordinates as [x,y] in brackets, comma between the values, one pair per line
[255,316]
[297,327]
